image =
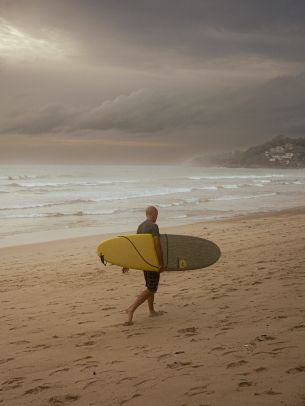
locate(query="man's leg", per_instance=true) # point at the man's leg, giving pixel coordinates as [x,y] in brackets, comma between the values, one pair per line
[152,311]
[150,302]
[145,295]
[152,282]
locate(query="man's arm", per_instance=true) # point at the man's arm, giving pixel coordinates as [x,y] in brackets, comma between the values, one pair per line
[159,252]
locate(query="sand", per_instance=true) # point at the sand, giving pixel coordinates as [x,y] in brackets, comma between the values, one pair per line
[232,334]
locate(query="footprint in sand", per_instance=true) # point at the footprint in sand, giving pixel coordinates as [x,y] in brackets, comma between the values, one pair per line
[188,331]
[77,335]
[264,337]
[298,327]
[5,360]
[62,400]
[260,369]
[244,384]
[142,382]
[237,364]
[136,395]
[89,384]
[109,308]
[127,378]
[86,344]
[37,389]
[20,342]
[300,368]
[134,334]
[256,283]
[83,359]
[97,334]
[86,322]
[268,392]
[90,365]
[59,370]
[178,365]
[38,347]
[161,356]
[12,383]
[280,317]
[199,390]
[218,348]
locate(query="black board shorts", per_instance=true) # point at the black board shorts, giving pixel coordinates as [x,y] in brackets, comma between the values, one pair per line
[152,280]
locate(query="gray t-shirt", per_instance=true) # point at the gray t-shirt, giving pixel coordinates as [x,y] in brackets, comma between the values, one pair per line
[148,227]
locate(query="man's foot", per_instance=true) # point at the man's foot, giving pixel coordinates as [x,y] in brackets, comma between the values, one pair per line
[130,315]
[155,314]
[128,323]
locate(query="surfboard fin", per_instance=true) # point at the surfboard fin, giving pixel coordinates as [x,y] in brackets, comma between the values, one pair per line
[103,259]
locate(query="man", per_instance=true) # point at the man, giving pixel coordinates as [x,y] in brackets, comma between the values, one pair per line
[152,278]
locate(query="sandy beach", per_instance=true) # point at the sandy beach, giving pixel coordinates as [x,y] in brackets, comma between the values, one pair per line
[232,334]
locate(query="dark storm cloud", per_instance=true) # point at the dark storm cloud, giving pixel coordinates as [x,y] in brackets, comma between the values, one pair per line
[52,117]
[141,111]
[142,30]
[273,107]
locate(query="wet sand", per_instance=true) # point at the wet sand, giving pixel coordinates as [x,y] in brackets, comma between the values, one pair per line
[232,334]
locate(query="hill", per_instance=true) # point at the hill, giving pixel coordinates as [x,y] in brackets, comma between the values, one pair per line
[280,152]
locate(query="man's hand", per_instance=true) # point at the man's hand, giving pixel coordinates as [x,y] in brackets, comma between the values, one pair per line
[158,249]
[125,270]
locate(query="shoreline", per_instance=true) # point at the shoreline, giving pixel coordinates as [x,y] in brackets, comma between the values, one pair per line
[167,229]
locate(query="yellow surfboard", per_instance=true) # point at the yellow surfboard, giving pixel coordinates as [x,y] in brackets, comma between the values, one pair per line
[136,251]
[180,252]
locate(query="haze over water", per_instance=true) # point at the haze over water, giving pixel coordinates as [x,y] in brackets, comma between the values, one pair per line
[41,203]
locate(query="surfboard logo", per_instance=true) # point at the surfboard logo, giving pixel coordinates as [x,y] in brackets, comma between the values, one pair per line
[182,264]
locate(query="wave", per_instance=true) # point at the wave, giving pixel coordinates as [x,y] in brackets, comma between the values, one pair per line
[242,197]
[230,186]
[32,206]
[58,184]
[59,214]
[20,177]
[145,194]
[191,200]
[102,199]
[208,188]
[236,177]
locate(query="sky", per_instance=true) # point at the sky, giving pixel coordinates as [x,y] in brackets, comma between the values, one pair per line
[142,81]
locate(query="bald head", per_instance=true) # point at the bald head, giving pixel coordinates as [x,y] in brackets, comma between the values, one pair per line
[152,213]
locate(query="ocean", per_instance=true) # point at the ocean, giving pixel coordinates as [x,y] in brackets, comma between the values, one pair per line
[42,203]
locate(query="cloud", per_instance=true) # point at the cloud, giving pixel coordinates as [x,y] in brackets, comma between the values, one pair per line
[147,35]
[50,118]
[256,113]
[142,111]
[271,108]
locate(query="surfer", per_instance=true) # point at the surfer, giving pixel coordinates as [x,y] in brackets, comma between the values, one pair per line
[152,278]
